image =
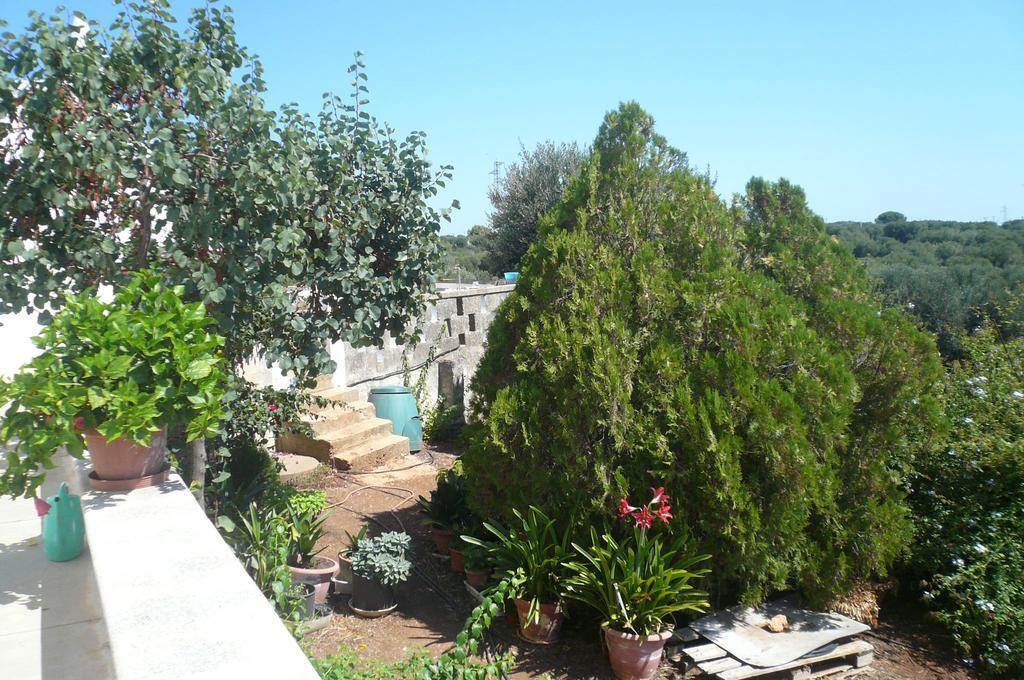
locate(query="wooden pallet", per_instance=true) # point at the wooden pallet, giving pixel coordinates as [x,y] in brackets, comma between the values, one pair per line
[846,657]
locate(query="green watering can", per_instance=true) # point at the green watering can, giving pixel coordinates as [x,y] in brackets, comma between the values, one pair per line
[63,525]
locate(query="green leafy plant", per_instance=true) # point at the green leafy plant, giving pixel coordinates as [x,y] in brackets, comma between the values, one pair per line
[264,545]
[307,528]
[967,496]
[461,662]
[310,503]
[125,368]
[637,582]
[352,541]
[442,423]
[448,505]
[242,468]
[345,664]
[532,556]
[477,558]
[383,558]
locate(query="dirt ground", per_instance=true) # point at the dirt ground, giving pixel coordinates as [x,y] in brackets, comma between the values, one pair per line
[433,603]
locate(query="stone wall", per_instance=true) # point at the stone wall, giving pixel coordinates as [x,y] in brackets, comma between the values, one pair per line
[454,326]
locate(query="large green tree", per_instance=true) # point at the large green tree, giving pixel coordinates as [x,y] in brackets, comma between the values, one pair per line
[148,144]
[529,188]
[736,355]
[142,145]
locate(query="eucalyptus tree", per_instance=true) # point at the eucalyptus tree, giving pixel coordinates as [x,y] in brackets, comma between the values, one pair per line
[148,144]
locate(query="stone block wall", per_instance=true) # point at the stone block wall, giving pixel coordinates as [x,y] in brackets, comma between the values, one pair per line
[455,325]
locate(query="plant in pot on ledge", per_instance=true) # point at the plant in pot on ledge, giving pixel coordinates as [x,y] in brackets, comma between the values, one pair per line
[378,565]
[306,566]
[637,584]
[446,509]
[533,558]
[118,374]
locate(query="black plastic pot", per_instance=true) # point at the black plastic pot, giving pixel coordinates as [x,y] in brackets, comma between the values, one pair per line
[308,594]
[370,596]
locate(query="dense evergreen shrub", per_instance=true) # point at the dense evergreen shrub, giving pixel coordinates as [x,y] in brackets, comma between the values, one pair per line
[737,353]
[968,503]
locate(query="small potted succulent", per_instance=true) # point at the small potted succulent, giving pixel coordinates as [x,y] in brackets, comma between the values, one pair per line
[112,377]
[637,583]
[533,558]
[446,508]
[478,567]
[378,565]
[342,582]
[306,566]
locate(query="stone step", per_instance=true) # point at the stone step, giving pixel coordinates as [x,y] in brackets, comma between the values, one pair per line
[357,432]
[338,417]
[373,454]
[301,445]
[344,394]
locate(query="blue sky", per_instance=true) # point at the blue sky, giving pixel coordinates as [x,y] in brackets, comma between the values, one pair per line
[870,106]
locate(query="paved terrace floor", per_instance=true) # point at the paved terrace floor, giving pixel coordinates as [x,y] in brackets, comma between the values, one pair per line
[51,621]
[157,595]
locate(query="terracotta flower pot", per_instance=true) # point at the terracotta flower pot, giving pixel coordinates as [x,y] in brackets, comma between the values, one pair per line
[458,560]
[442,539]
[478,577]
[635,657]
[317,575]
[371,598]
[544,631]
[122,465]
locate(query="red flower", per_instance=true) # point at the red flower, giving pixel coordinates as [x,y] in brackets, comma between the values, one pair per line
[272,407]
[79,423]
[624,507]
[664,512]
[643,517]
[659,495]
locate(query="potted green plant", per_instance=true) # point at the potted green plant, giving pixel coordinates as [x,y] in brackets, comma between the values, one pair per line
[378,565]
[532,556]
[305,565]
[637,584]
[342,581]
[478,567]
[446,508]
[112,377]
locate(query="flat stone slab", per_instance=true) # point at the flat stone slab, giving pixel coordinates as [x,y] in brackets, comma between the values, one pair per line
[295,465]
[738,630]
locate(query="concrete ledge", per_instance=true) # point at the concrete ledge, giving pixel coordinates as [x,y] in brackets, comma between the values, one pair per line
[473,291]
[175,600]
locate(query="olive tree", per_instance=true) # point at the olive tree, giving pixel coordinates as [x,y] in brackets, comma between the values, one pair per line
[529,188]
[147,143]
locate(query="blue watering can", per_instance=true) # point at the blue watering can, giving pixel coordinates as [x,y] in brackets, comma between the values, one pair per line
[63,525]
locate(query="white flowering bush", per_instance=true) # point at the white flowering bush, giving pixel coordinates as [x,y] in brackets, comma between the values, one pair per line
[968,499]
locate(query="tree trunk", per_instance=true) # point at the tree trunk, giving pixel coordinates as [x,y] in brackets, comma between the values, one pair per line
[197,467]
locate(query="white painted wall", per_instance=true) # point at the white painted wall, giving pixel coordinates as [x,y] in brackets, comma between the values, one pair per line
[16,348]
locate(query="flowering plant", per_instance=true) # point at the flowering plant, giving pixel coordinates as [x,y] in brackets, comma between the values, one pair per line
[637,582]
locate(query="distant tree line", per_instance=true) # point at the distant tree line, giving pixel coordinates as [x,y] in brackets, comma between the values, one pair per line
[464,255]
[952,275]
